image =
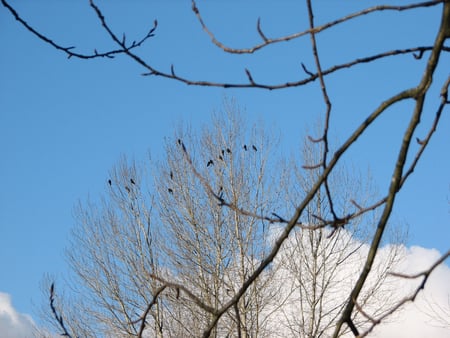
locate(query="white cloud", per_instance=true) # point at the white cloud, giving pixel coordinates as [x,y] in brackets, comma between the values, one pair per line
[12,323]
[417,319]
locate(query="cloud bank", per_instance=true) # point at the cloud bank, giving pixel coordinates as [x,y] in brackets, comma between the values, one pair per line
[12,323]
[415,320]
[429,315]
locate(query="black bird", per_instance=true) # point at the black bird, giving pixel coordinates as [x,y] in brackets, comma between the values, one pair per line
[127,189]
[220,157]
[132,181]
[421,142]
[179,142]
[109,182]
[254,148]
[245,147]
[223,152]
[210,162]
[170,191]
[228,151]
[171,175]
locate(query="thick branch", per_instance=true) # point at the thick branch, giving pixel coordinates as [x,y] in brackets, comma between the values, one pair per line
[396,181]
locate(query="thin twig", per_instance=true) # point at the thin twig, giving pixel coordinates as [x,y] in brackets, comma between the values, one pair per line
[266,41]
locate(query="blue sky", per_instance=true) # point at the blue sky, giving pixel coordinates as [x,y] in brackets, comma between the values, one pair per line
[65,122]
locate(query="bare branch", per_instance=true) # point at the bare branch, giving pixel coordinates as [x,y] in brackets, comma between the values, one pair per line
[311,30]
[69,50]
[425,274]
[57,316]
[396,181]
[143,318]
[260,32]
[177,287]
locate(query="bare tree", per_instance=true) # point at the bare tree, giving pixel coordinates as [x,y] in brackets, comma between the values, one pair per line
[162,273]
[140,259]
[318,266]
[213,249]
[418,95]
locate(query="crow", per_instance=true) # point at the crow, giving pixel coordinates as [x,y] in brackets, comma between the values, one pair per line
[223,152]
[228,151]
[127,189]
[171,175]
[170,191]
[210,162]
[245,147]
[179,142]
[220,158]
[109,182]
[254,148]
[132,181]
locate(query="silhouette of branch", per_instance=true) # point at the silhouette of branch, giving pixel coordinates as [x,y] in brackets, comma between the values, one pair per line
[312,30]
[425,274]
[418,93]
[150,70]
[423,143]
[147,310]
[69,50]
[326,100]
[284,85]
[57,316]
[177,287]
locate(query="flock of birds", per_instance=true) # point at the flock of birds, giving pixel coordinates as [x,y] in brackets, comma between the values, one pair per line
[228,150]
[208,164]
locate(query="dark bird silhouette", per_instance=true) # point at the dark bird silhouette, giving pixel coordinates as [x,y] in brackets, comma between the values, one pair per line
[254,148]
[171,175]
[228,151]
[421,142]
[220,157]
[223,152]
[127,189]
[210,162]
[170,191]
[245,147]
[179,142]
[220,194]
[109,182]
[132,181]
